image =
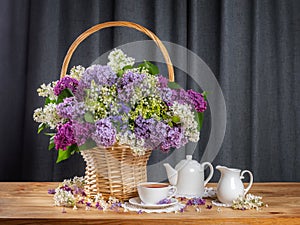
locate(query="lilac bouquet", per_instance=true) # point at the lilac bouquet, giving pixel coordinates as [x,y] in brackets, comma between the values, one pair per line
[119,103]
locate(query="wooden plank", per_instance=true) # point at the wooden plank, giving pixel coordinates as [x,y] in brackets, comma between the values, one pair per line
[29,203]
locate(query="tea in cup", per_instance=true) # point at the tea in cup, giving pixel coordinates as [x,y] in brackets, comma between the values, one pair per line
[152,193]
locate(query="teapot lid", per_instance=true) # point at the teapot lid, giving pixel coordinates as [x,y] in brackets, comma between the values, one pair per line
[189,157]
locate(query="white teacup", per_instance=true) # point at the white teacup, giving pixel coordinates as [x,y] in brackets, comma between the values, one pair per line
[153,192]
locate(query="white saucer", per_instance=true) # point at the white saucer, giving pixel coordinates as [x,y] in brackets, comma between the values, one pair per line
[137,202]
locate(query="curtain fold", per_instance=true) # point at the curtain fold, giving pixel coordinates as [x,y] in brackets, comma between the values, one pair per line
[252,47]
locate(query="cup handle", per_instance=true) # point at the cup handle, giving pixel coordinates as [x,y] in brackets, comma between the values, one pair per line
[211,169]
[172,191]
[250,182]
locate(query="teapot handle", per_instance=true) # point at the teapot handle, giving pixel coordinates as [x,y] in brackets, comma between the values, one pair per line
[211,169]
[250,182]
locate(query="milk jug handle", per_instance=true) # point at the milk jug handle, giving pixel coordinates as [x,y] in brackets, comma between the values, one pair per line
[211,171]
[250,182]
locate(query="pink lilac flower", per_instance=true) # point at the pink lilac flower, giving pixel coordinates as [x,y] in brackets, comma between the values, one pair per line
[198,100]
[82,131]
[65,82]
[105,133]
[64,136]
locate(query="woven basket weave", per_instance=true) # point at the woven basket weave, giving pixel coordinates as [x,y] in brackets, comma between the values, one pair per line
[114,171]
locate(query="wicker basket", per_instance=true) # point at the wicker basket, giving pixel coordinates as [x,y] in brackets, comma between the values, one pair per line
[114,171]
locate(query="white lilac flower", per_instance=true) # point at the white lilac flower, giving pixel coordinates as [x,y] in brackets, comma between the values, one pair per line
[136,145]
[250,201]
[76,72]
[64,198]
[47,115]
[47,90]
[187,120]
[118,60]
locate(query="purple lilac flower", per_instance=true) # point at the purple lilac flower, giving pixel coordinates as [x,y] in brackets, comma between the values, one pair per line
[143,127]
[166,95]
[196,201]
[82,131]
[198,100]
[126,85]
[105,134]
[162,81]
[164,201]
[64,136]
[209,206]
[102,75]
[67,188]
[65,82]
[98,206]
[130,78]
[174,139]
[181,96]
[51,191]
[70,108]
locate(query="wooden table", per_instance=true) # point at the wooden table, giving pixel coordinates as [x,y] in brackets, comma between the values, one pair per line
[29,203]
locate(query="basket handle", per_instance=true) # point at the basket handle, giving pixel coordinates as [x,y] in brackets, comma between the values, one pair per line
[100,26]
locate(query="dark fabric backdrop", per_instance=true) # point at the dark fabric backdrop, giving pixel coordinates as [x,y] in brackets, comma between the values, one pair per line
[253,48]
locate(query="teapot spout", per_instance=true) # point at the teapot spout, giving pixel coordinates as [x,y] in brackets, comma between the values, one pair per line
[171,173]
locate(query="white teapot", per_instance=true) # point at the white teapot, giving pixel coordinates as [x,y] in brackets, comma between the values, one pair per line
[188,177]
[230,185]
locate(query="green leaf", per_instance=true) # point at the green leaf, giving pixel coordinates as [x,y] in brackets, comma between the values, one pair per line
[88,117]
[51,143]
[153,69]
[41,127]
[173,85]
[63,155]
[204,93]
[199,118]
[87,145]
[175,119]
[120,73]
[50,134]
[127,67]
[66,93]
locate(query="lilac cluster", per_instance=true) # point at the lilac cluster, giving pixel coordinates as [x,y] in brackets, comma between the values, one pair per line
[198,100]
[64,136]
[180,96]
[70,108]
[143,127]
[126,85]
[174,138]
[82,131]
[102,75]
[105,133]
[65,82]
[130,78]
[159,135]
[162,81]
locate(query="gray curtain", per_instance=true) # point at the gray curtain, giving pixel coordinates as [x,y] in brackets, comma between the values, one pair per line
[252,47]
